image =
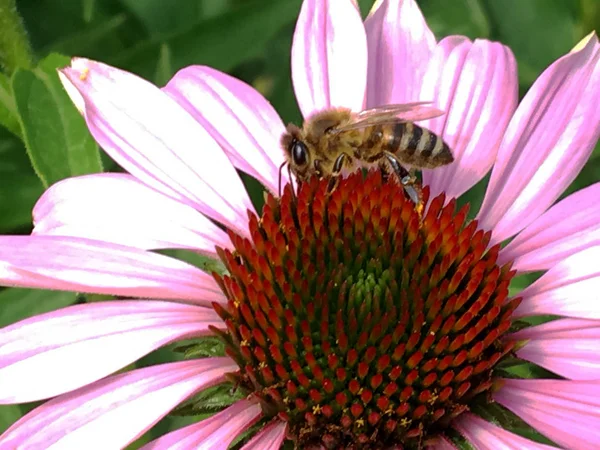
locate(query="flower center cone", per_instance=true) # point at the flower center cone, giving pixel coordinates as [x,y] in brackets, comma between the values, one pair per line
[359,322]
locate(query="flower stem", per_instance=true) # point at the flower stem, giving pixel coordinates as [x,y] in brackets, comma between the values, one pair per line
[15,50]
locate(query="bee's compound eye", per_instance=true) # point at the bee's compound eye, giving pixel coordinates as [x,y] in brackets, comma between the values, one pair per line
[299,153]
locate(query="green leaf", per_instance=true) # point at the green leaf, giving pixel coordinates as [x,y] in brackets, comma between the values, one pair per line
[221,42]
[95,41]
[464,17]
[88,9]
[212,8]
[15,49]
[8,108]
[502,417]
[537,31]
[521,281]
[57,139]
[202,262]
[206,347]
[164,68]
[527,371]
[18,304]
[19,186]
[159,16]
[458,440]
[278,67]
[209,401]
[9,414]
[18,193]
[589,12]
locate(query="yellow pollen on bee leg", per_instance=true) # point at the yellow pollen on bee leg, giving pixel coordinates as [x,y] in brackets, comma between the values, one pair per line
[419,209]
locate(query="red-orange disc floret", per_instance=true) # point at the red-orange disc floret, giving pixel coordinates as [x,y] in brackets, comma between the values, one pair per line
[360,322]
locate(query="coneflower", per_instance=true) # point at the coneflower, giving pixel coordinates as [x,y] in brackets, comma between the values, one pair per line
[349,320]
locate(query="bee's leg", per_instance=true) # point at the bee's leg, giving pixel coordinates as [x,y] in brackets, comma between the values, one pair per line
[292,184]
[384,168]
[333,183]
[336,172]
[280,169]
[406,178]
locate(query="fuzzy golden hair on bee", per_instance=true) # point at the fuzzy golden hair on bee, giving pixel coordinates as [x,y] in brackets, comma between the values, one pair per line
[326,121]
[336,141]
[292,132]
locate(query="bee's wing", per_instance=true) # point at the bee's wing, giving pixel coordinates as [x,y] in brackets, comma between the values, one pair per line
[406,112]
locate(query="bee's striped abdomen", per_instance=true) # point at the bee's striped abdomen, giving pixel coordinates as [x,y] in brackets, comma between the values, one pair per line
[417,146]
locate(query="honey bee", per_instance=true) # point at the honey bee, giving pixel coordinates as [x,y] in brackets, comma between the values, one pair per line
[337,141]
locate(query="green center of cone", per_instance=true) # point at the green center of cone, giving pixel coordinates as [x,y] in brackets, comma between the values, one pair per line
[359,322]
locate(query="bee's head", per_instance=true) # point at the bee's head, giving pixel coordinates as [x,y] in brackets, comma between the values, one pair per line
[297,152]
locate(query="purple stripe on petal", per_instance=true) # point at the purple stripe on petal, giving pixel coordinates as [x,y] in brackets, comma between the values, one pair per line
[400,47]
[548,140]
[217,432]
[567,347]
[481,434]
[329,56]
[156,140]
[118,208]
[572,225]
[568,412]
[85,265]
[571,288]
[476,84]
[96,339]
[237,116]
[116,410]
[269,437]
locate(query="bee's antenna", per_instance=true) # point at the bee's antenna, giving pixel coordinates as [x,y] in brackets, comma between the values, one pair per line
[280,169]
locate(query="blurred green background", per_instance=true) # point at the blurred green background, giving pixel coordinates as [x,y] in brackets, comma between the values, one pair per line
[250,39]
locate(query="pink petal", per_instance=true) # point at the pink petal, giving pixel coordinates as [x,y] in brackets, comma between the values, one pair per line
[572,225]
[476,84]
[568,347]
[483,435]
[547,142]
[571,288]
[400,47]
[442,443]
[116,410]
[237,116]
[269,438]
[567,412]
[329,56]
[85,265]
[151,136]
[216,432]
[100,338]
[118,208]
